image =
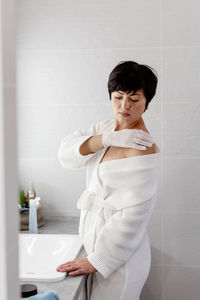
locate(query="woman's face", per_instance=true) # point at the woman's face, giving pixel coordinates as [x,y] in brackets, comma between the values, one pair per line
[128,108]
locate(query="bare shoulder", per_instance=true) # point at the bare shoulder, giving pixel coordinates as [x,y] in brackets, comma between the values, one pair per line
[128,152]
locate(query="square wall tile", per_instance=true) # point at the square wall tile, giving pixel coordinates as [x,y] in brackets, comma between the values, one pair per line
[89,24]
[181,282]
[181,239]
[181,75]
[180,184]
[181,132]
[180,20]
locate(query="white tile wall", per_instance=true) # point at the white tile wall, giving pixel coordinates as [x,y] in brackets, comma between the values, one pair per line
[58,188]
[181,244]
[77,76]
[65,53]
[181,75]
[86,24]
[180,20]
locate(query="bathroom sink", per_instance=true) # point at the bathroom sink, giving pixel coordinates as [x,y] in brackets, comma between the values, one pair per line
[41,254]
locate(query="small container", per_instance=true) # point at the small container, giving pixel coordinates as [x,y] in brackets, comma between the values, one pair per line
[21,198]
[28,290]
[31,194]
[31,190]
[26,200]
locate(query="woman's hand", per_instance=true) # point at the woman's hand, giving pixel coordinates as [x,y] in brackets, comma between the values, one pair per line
[77,266]
[128,138]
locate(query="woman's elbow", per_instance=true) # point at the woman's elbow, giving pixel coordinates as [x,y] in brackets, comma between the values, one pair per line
[67,161]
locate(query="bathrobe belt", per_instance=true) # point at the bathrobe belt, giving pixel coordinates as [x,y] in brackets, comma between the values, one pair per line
[132,197]
[88,197]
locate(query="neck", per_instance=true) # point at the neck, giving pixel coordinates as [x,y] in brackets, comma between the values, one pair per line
[139,124]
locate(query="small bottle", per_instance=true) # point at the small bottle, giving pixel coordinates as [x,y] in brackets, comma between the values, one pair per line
[31,194]
[21,199]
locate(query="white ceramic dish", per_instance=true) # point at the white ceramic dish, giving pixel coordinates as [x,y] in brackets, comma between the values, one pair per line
[40,254]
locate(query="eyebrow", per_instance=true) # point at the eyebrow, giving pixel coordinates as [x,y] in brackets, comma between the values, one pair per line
[130,95]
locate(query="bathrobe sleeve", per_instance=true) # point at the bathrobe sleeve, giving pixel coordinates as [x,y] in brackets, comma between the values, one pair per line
[120,237]
[69,155]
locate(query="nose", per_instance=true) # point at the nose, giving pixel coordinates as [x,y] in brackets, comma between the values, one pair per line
[125,104]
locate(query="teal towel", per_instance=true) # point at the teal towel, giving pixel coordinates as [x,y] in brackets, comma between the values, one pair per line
[50,295]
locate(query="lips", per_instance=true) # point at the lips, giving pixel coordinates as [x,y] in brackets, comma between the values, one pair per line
[124,114]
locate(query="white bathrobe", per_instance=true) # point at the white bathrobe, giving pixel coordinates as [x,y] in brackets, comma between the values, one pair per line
[115,209]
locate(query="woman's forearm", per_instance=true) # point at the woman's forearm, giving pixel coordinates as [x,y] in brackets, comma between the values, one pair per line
[92,145]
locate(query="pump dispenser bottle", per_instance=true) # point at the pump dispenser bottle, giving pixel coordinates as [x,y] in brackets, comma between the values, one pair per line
[31,191]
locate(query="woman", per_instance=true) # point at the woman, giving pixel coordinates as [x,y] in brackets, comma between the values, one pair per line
[121,161]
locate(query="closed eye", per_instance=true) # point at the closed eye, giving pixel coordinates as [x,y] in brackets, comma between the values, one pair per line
[136,100]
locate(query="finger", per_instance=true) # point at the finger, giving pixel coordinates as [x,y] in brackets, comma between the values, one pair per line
[142,142]
[67,268]
[146,136]
[136,146]
[62,267]
[65,264]
[75,273]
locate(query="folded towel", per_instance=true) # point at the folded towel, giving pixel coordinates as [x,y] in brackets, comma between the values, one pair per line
[49,295]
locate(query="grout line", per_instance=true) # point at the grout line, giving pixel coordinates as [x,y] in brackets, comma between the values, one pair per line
[184,266]
[102,104]
[89,49]
[72,104]
[107,49]
[174,265]
[178,212]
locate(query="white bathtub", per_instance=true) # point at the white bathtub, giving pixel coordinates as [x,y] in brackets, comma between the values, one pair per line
[41,254]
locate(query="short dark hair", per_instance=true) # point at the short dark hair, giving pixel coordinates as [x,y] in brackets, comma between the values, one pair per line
[129,76]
